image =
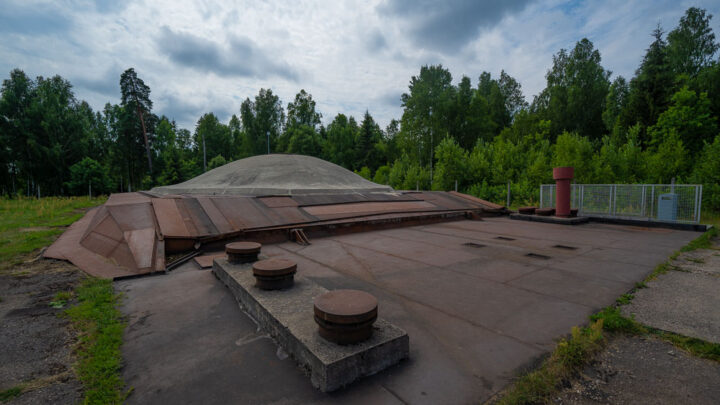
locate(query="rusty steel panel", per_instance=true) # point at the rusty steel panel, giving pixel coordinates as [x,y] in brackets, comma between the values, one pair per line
[484,203]
[169,218]
[288,215]
[278,202]
[206,261]
[243,212]
[141,243]
[324,199]
[130,217]
[446,201]
[217,218]
[350,209]
[201,221]
[99,243]
[127,198]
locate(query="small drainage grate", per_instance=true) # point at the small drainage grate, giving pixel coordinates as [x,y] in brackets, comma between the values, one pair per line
[504,238]
[472,244]
[565,247]
[537,256]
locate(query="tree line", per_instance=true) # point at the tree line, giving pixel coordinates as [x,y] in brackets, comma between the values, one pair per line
[660,124]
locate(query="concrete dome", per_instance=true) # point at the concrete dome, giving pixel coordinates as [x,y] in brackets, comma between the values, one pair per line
[275,174]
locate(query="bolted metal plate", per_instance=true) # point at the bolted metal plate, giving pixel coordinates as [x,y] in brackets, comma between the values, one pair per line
[243,247]
[346,307]
[274,267]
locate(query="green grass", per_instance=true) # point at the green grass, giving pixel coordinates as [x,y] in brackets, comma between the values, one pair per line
[101,330]
[710,218]
[28,224]
[568,358]
[702,242]
[10,393]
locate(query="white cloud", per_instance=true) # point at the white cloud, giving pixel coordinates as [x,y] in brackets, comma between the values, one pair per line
[351,56]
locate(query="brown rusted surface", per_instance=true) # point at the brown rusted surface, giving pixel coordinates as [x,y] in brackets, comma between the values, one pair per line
[487,204]
[133,231]
[346,306]
[345,316]
[274,267]
[169,218]
[206,261]
[278,202]
[274,274]
[342,210]
[242,252]
[243,247]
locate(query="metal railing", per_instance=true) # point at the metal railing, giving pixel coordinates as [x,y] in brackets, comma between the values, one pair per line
[653,202]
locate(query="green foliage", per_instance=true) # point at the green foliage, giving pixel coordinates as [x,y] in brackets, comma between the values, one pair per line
[10,393]
[707,172]
[382,175]
[364,173]
[101,332]
[452,162]
[217,161]
[614,321]
[703,241]
[88,176]
[574,150]
[689,117]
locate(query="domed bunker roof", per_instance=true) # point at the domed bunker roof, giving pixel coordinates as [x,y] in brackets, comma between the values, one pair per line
[275,174]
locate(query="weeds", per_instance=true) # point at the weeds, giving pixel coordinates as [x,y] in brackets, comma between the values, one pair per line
[61,298]
[568,358]
[101,330]
[704,241]
[10,393]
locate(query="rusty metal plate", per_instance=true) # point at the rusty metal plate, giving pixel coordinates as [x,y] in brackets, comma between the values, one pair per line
[483,203]
[217,218]
[206,261]
[243,247]
[141,243]
[169,218]
[243,212]
[274,267]
[130,217]
[346,306]
[324,211]
[127,198]
[277,202]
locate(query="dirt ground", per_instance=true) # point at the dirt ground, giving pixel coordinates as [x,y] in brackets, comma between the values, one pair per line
[37,343]
[639,370]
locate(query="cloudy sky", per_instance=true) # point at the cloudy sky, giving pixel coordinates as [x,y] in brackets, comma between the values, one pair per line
[206,55]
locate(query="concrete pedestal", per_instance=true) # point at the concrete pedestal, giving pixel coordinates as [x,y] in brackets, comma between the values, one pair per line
[287,315]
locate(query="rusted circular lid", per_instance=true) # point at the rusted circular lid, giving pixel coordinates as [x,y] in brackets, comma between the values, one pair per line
[274,267]
[243,247]
[346,306]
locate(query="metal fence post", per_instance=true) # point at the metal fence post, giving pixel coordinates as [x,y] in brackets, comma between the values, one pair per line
[699,205]
[652,202]
[542,186]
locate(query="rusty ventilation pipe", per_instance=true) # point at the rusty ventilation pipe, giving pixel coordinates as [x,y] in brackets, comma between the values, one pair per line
[562,177]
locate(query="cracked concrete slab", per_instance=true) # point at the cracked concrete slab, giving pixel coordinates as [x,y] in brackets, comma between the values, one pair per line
[685,300]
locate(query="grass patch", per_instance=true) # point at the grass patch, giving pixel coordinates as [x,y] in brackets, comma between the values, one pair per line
[704,241]
[101,329]
[569,356]
[27,224]
[696,347]
[10,393]
[624,299]
[614,321]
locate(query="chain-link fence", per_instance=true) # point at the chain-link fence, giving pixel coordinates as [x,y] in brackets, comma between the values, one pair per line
[652,202]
